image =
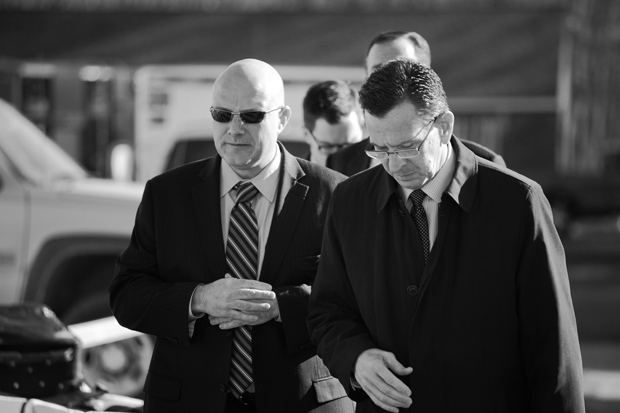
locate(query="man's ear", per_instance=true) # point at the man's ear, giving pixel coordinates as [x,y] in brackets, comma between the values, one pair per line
[445,124]
[285,115]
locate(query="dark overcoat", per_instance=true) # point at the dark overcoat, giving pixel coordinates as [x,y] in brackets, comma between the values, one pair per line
[487,325]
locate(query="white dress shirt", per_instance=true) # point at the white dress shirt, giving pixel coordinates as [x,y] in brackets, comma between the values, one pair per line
[263,205]
[433,189]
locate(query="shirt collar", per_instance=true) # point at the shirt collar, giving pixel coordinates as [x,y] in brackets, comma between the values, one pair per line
[461,183]
[266,181]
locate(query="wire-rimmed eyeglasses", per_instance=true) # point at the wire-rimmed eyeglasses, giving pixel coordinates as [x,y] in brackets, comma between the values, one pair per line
[403,153]
[326,147]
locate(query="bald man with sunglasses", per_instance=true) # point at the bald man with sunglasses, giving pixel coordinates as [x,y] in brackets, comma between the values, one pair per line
[221,263]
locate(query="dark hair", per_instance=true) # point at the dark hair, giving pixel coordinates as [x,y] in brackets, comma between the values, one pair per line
[330,100]
[422,49]
[401,80]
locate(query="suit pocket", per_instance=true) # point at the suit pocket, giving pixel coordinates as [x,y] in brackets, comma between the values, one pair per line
[328,389]
[162,387]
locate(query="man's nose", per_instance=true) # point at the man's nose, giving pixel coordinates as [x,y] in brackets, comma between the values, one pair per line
[236,125]
[394,162]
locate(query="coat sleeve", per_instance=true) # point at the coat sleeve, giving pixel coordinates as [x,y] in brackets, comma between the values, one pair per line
[303,219]
[334,320]
[547,326]
[139,298]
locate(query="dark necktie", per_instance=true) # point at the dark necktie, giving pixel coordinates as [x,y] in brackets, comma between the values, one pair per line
[242,259]
[419,216]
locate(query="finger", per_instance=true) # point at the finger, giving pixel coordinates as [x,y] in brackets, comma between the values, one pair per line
[394,365]
[253,294]
[381,399]
[400,389]
[218,320]
[239,316]
[255,284]
[231,324]
[249,307]
[389,385]
[392,387]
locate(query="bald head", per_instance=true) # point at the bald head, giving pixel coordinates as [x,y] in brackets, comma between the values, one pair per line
[249,145]
[251,79]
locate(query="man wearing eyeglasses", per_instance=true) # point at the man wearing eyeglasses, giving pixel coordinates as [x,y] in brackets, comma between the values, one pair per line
[383,47]
[221,264]
[442,285]
[332,119]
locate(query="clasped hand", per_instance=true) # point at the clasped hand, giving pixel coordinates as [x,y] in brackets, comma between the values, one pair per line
[374,371]
[231,302]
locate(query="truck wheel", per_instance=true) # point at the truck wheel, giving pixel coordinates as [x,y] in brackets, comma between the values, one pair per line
[120,367]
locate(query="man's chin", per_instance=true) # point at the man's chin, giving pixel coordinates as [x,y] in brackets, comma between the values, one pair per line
[238,156]
[411,183]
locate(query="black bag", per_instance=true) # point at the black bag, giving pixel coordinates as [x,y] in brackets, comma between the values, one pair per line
[39,358]
[38,354]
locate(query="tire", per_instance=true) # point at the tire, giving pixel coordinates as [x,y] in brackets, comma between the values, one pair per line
[119,367]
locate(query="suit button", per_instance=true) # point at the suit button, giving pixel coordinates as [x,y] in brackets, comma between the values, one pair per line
[412,290]
[223,388]
[401,213]
[228,334]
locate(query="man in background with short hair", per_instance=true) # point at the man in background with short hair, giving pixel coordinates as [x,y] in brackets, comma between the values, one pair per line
[383,47]
[332,119]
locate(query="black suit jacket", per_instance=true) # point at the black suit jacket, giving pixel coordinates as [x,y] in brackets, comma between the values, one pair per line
[177,244]
[353,159]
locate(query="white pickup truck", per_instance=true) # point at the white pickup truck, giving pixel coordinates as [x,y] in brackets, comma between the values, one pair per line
[60,234]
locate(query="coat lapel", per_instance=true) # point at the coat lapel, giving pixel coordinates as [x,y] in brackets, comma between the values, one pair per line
[285,222]
[208,212]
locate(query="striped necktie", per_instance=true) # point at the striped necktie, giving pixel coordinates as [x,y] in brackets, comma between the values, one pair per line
[419,216]
[242,259]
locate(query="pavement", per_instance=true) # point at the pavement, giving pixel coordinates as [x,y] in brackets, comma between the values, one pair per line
[601,376]
[593,258]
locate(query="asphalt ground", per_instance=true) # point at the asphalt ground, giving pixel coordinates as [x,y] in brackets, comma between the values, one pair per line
[593,258]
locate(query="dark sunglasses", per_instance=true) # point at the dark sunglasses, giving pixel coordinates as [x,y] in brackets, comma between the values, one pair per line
[250,116]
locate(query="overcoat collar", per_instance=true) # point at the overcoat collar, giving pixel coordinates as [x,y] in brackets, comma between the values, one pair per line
[462,187]
[360,161]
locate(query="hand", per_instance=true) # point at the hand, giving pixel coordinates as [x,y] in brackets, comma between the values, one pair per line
[233,299]
[373,371]
[226,323]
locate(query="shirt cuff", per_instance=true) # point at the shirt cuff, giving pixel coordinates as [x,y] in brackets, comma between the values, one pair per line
[354,384]
[191,317]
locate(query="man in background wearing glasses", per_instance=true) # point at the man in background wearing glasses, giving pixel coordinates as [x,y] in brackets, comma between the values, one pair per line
[221,264]
[383,47]
[332,119]
[442,285]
